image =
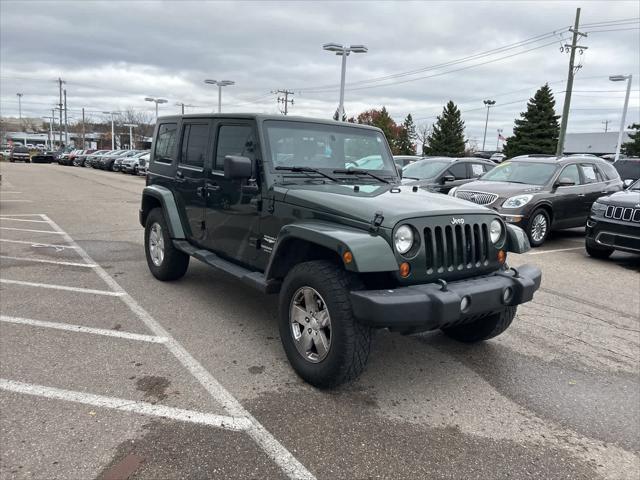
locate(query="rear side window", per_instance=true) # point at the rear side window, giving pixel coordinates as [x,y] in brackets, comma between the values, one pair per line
[234,140]
[590,174]
[477,169]
[195,140]
[165,151]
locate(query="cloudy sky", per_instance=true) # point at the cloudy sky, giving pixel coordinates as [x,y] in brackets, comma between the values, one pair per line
[421,54]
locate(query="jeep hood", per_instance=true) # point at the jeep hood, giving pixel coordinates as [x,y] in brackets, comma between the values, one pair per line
[626,198]
[395,202]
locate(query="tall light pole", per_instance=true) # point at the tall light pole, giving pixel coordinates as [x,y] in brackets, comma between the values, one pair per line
[113,128]
[498,140]
[131,127]
[50,131]
[156,101]
[344,52]
[489,104]
[19,95]
[622,78]
[220,84]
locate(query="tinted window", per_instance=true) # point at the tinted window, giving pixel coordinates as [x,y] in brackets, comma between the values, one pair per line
[458,170]
[195,140]
[571,171]
[590,173]
[234,140]
[166,143]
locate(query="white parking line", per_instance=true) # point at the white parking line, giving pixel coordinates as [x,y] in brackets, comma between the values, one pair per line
[81,329]
[54,262]
[21,215]
[143,408]
[26,201]
[265,440]
[540,252]
[29,230]
[63,287]
[13,219]
[36,244]
[3,191]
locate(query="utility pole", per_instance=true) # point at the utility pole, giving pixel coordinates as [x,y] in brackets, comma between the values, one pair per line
[60,82]
[606,125]
[83,144]
[182,105]
[498,139]
[488,103]
[285,101]
[53,121]
[66,125]
[572,71]
[20,107]
[131,127]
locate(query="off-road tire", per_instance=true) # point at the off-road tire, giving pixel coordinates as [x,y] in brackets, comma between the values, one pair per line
[175,263]
[350,340]
[529,229]
[596,251]
[483,328]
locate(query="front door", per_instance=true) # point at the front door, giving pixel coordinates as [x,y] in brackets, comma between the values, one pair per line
[233,206]
[457,170]
[190,175]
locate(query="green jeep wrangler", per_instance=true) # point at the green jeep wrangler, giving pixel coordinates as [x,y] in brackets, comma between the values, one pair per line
[314,211]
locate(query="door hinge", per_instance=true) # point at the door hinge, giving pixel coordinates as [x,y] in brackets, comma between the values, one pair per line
[377,220]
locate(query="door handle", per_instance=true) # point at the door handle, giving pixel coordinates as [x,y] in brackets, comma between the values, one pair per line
[200,191]
[581,194]
[213,188]
[179,176]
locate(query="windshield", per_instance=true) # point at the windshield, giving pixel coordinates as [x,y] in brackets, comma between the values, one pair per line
[635,186]
[328,147]
[425,169]
[521,172]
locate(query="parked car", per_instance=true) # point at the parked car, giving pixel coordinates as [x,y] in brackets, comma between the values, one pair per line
[347,250]
[611,157]
[404,160]
[614,223]
[132,164]
[107,160]
[498,157]
[143,164]
[20,154]
[72,156]
[92,160]
[543,194]
[441,174]
[81,158]
[44,157]
[117,164]
[628,169]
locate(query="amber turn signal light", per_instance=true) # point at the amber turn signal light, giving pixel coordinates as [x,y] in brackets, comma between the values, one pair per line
[502,256]
[347,257]
[405,269]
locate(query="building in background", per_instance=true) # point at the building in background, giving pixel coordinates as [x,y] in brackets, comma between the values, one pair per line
[597,143]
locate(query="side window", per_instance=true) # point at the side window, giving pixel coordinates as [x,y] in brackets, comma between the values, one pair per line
[458,170]
[234,140]
[571,171]
[166,143]
[477,169]
[195,140]
[589,173]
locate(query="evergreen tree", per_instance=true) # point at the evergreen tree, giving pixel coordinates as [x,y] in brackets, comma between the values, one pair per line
[406,137]
[632,147]
[538,130]
[447,136]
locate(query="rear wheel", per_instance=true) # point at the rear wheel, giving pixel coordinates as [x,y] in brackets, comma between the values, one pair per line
[596,251]
[324,343]
[539,227]
[483,328]
[165,261]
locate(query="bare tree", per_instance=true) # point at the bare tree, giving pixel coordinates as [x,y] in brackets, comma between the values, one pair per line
[422,134]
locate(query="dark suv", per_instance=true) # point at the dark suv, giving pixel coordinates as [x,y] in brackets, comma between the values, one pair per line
[278,204]
[541,194]
[441,174]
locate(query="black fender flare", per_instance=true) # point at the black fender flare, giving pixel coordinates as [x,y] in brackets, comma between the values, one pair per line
[168,203]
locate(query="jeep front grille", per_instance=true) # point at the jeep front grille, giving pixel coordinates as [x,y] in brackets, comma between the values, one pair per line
[626,214]
[481,198]
[456,247]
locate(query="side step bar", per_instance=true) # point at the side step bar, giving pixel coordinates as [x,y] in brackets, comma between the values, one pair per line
[254,279]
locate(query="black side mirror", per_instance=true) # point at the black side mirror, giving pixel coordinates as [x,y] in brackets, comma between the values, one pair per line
[565,182]
[447,179]
[236,167]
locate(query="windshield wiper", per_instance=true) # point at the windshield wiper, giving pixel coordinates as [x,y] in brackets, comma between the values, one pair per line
[356,171]
[307,170]
[412,178]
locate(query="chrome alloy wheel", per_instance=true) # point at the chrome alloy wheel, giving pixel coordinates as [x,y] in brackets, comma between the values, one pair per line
[156,244]
[310,324]
[539,227]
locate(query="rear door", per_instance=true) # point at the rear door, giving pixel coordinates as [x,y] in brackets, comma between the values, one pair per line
[195,148]
[568,202]
[593,187]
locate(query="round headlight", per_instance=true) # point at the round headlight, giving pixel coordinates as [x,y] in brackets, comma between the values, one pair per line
[495,231]
[403,239]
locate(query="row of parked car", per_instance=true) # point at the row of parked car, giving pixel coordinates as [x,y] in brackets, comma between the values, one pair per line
[542,193]
[134,162]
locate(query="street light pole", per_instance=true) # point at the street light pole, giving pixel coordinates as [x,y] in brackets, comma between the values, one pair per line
[20,107]
[498,139]
[131,127]
[113,129]
[621,78]
[488,103]
[156,101]
[220,84]
[344,52]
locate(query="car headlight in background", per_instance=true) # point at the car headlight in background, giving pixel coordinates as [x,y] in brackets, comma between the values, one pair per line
[598,208]
[495,231]
[517,201]
[403,239]
[452,192]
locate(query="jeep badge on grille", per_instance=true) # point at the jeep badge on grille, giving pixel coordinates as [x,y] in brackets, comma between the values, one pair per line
[457,221]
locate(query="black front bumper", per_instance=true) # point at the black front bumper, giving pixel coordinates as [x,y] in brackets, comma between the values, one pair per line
[617,234]
[431,306]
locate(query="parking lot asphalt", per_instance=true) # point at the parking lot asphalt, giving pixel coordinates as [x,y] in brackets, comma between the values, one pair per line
[108,373]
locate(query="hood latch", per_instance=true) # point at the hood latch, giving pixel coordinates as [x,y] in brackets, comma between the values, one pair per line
[377,220]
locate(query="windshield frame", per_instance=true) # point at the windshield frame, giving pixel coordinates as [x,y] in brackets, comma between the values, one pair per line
[556,169]
[387,157]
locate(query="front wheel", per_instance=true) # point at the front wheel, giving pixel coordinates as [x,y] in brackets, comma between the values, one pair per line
[483,328]
[165,261]
[539,227]
[323,341]
[597,252]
